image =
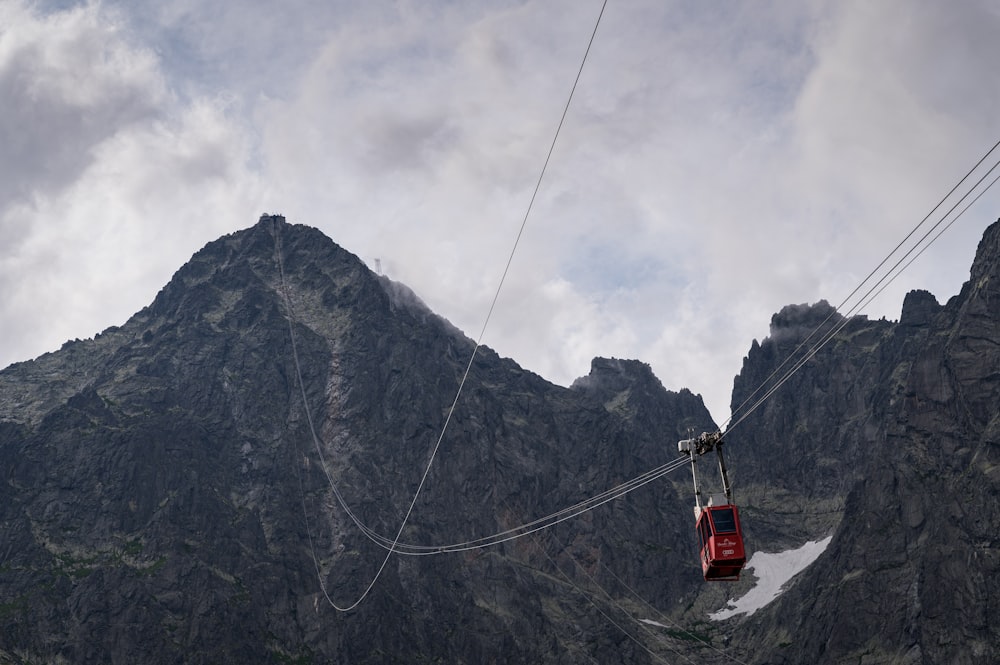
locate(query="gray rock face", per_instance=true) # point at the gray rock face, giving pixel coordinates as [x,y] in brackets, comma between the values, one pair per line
[888,440]
[164,498]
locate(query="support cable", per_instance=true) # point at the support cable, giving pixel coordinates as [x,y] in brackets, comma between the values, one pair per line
[939,234]
[536,525]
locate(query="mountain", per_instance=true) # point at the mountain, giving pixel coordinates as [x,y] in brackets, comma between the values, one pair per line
[170,487]
[888,440]
[205,482]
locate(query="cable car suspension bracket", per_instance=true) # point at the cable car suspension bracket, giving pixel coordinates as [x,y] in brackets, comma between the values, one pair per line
[706,442]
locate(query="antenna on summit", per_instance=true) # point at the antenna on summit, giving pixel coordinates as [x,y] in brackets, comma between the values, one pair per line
[378,266]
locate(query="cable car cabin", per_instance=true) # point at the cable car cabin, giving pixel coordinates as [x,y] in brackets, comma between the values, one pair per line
[720,543]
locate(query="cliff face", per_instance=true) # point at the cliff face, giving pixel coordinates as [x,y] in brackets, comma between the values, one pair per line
[164,498]
[888,439]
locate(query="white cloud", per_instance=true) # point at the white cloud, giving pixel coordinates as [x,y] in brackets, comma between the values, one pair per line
[431,165]
[123,182]
[717,163]
[890,119]
[68,82]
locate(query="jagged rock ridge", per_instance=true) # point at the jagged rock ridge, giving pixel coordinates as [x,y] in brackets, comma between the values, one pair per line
[889,441]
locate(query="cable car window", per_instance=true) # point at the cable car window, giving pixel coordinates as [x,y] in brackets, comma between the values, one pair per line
[724,520]
[705,532]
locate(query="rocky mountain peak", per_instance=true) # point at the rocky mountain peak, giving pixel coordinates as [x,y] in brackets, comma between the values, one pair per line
[249,260]
[886,440]
[187,471]
[796,321]
[986,265]
[919,307]
[613,375]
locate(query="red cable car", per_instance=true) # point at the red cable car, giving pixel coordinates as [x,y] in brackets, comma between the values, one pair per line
[720,538]
[721,543]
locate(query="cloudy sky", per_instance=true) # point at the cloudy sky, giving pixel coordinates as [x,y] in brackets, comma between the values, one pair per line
[719,160]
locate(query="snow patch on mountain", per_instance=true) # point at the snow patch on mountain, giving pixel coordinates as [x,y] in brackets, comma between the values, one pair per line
[772,570]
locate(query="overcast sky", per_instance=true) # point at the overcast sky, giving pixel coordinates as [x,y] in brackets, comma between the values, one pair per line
[719,161]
